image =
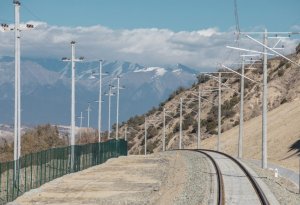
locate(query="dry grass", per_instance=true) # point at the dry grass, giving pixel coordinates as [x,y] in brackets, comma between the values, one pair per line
[283,132]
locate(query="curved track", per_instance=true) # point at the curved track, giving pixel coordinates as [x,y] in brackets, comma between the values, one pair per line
[221,198]
[221,194]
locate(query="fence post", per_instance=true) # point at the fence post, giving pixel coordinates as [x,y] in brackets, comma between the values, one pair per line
[45,167]
[0,176]
[41,166]
[7,179]
[37,170]
[30,170]
[19,170]
[25,166]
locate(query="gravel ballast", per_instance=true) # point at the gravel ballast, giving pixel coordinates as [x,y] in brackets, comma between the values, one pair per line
[200,179]
[284,190]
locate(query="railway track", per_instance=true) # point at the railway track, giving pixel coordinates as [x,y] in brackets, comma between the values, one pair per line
[221,193]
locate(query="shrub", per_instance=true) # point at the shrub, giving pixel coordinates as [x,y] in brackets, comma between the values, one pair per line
[247,84]
[280,72]
[195,127]
[284,100]
[202,78]
[188,122]
[88,136]
[281,63]
[151,146]
[176,92]
[228,113]
[298,49]
[176,128]
[41,138]
[236,123]
[227,107]
[136,121]
[152,111]
[151,132]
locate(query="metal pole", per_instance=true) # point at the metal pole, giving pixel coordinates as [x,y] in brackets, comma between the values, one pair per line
[100,102]
[73,106]
[17,137]
[126,133]
[241,126]
[199,119]
[265,105]
[164,131]
[109,95]
[80,123]
[88,111]
[180,124]
[145,137]
[219,113]
[118,99]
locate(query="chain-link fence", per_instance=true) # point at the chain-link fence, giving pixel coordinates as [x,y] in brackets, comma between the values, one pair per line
[35,169]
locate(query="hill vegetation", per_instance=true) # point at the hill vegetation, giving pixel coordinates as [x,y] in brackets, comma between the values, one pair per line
[284,87]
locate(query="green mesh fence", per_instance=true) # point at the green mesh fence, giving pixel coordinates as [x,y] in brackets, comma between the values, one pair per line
[35,169]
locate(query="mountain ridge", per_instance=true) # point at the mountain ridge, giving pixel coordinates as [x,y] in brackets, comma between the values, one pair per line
[46,89]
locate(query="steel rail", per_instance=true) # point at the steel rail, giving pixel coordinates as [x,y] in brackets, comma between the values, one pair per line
[262,197]
[221,191]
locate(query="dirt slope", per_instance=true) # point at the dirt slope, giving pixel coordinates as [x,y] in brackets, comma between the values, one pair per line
[283,132]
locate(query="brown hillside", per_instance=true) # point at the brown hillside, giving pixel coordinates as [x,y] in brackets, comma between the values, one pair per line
[284,87]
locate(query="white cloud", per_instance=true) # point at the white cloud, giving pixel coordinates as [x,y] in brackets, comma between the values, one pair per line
[151,47]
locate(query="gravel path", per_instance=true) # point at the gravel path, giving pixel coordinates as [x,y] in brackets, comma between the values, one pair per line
[132,180]
[173,177]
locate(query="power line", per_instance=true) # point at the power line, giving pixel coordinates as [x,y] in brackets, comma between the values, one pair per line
[236,15]
[32,13]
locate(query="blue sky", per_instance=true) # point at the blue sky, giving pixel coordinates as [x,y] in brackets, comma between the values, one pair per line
[148,32]
[176,15]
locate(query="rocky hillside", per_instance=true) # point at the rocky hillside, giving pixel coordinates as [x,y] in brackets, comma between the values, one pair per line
[283,83]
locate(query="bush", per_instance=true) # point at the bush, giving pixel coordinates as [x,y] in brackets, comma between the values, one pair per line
[88,136]
[298,49]
[211,121]
[203,122]
[281,63]
[213,132]
[236,123]
[186,123]
[247,84]
[152,111]
[227,107]
[176,128]
[136,121]
[176,92]
[228,113]
[41,138]
[151,132]
[280,72]
[195,127]
[151,146]
[202,78]
[284,100]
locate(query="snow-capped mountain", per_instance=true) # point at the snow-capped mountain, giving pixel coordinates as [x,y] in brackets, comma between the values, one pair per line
[46,89]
